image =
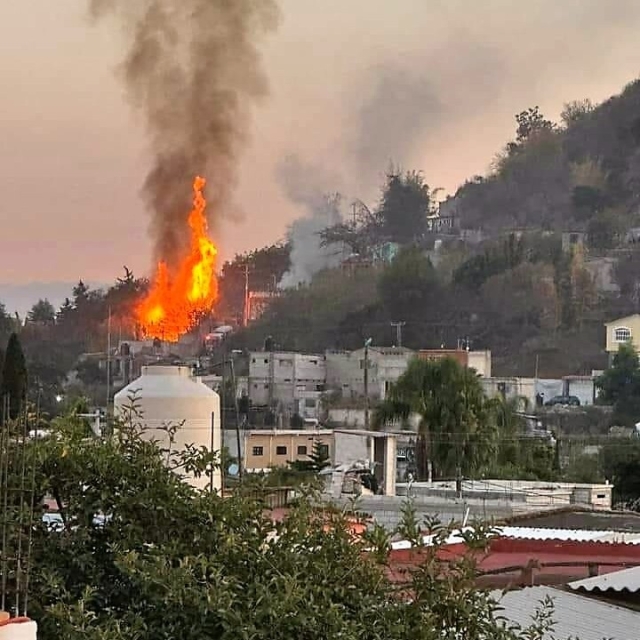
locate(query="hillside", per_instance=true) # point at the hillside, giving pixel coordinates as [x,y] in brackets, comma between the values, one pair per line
[520,291]
[558,177]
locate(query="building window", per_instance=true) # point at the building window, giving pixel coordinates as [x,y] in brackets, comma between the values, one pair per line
[281,451]
[323,450]
[258,451]
[622,334]
[302,450]
[310,403]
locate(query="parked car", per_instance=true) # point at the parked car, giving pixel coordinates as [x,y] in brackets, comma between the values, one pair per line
[563,401]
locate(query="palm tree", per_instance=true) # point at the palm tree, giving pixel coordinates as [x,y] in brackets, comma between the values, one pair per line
[457,432]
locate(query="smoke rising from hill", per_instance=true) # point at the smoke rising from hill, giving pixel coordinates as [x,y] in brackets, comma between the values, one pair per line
[193,70]
[312,190]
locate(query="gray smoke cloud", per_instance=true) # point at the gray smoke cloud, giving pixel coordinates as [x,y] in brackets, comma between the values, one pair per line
[313,190]
[400,107]
[193,70]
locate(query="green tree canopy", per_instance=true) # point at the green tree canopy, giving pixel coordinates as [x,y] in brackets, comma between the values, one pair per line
[408,282]
[42,312]
[14,377]
[620,385]
[143,555]
[457,432]
[406,203]
[621,466]
[6,324]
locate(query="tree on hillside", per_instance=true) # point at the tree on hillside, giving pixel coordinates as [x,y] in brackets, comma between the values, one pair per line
[496,258]
[627,276]
[42,312]
[14,377]
[575,111]
[163,560]
[457,432]
[6,324]
[408,282]
[620,385]
[530,123]
[524,296]
[406,203]
[265,268]
[605,229]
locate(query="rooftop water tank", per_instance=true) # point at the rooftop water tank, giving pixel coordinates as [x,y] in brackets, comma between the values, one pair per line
[170,395]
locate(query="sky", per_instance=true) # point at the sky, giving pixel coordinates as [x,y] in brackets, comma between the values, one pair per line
[354,85]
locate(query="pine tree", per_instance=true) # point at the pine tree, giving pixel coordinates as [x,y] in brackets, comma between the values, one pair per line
[319,456]
[14,377]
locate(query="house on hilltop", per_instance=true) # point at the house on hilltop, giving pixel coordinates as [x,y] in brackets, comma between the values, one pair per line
[622,331]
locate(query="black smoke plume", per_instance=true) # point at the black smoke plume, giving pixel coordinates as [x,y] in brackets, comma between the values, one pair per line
[193,71]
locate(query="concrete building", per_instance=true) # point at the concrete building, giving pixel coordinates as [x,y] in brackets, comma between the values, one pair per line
[345,370]
[264,449]
[478,360]
[622,331]
[293,382]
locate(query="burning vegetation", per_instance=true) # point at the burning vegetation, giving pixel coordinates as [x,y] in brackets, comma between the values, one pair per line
[181,295]
[193,70]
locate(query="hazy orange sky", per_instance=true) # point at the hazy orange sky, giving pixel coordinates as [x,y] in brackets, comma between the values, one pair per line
[431,84]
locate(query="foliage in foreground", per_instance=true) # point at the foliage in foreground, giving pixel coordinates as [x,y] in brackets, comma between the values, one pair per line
[171,562]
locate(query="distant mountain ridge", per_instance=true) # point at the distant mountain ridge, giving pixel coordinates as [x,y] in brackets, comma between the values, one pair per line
[19,298]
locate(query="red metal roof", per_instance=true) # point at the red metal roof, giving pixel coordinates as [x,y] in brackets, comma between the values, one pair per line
[527,562]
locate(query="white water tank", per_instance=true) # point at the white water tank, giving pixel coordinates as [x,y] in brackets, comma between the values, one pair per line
[170,395]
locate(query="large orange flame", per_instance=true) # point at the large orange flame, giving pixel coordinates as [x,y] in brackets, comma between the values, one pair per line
[178,298]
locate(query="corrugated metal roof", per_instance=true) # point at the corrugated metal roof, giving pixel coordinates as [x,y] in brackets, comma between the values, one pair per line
[575,616]
[624,580]
[535,533]
[573,535]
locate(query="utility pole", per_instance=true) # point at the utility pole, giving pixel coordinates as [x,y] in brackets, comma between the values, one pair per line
[245,315]
[367,344]
[398,327]
[108,362]
[234,386]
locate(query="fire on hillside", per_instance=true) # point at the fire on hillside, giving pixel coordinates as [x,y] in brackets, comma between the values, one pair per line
[180,296]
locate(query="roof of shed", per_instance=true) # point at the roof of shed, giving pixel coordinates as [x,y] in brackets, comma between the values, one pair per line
[575,616]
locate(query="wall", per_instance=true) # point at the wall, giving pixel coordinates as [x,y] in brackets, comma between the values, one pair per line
[602,272]
[353,418]
[511,388]
[481,362]
[530,493]
[581,387]
[27,630]
[387,510]
[350,448]
[549,388]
